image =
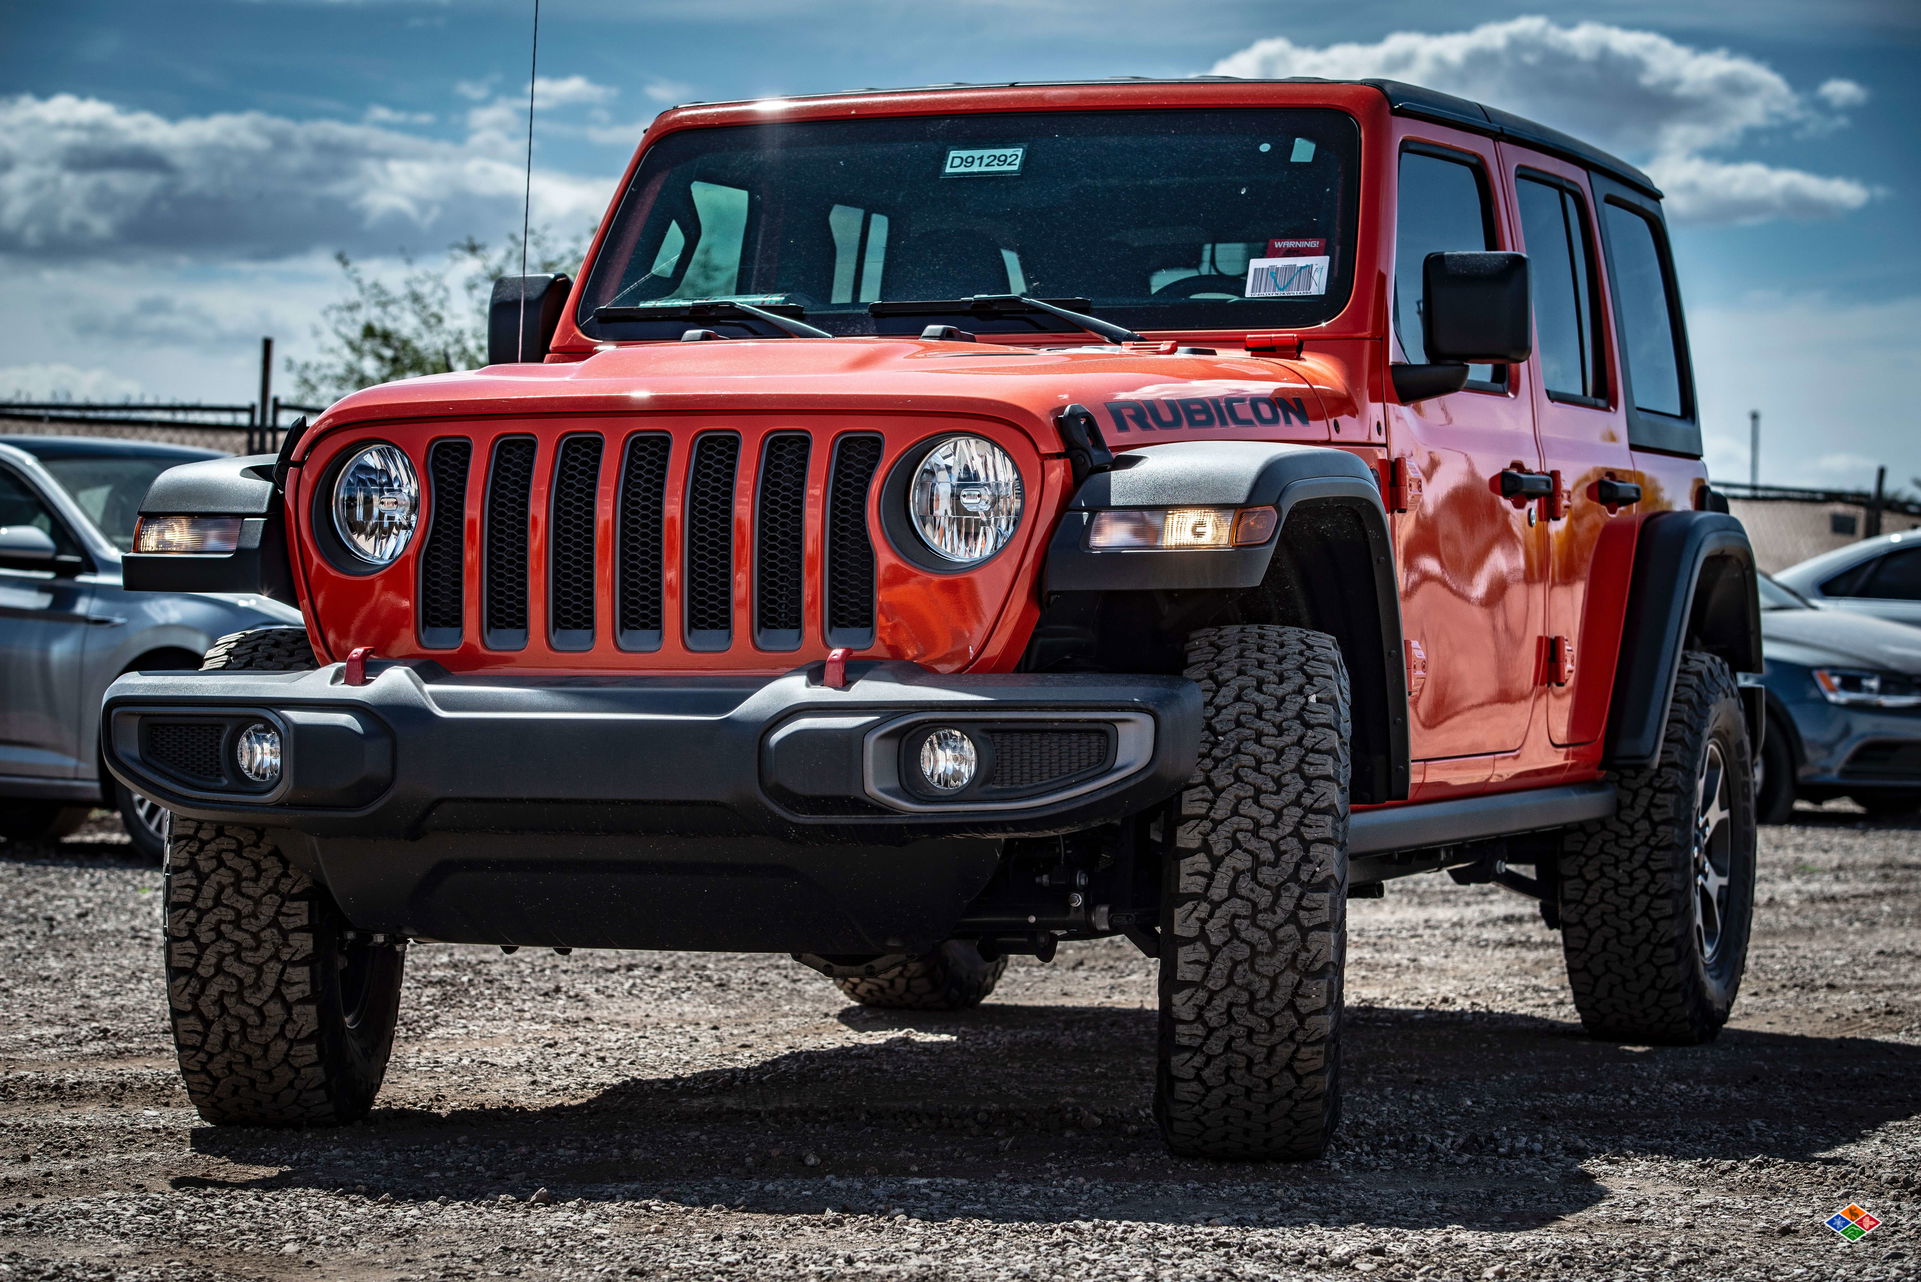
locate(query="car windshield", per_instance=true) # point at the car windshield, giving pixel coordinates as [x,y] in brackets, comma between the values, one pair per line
[109,488]
[1157,220]
[1776,597]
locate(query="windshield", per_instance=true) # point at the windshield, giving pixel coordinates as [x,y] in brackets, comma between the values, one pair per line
[1776,597]
[109,489]
[1158,220]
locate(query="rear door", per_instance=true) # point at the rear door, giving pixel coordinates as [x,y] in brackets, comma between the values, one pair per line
[1470,560]
[1584,443]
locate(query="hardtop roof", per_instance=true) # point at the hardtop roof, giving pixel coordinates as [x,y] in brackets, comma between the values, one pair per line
[1403,100]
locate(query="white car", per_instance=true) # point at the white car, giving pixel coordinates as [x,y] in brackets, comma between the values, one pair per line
[1879,576]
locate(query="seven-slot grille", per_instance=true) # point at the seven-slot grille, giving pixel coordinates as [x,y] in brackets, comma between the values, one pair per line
[670,560]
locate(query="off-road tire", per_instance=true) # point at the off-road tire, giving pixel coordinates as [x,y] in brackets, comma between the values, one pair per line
[1774,777]
[953,977]
[1628,883]
[279,1017]
[1254,902]
[278,649]
[39,821]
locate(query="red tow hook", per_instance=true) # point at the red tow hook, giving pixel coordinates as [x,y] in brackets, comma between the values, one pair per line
[834,677]
[356,673]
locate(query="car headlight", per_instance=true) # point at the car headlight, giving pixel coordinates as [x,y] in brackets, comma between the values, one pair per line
[376,504]
[966,499]
[1863,688]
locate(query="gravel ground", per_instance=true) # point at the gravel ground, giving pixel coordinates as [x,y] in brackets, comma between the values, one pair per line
[631,1114]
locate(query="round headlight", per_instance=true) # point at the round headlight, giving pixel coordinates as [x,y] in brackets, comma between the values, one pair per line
[966,499]
[376,504]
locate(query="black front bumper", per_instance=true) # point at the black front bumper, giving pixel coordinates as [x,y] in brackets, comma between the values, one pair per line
[712,812]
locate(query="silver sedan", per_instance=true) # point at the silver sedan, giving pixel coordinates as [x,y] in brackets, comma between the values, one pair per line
[67,627]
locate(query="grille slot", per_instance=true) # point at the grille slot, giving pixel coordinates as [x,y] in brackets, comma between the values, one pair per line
[1031,758]
[640,561]
[509,490]
[850,551]
[570,551]
[780,526]
[189,749]
[710,541]
[443,595]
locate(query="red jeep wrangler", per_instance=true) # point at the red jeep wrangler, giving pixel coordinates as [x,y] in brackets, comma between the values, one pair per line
[943,523]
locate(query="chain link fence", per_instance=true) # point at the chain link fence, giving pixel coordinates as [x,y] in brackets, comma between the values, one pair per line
[233,429]
[1788,525]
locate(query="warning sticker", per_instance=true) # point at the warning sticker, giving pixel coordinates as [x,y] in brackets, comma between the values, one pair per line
[1297,247]
[1286,277]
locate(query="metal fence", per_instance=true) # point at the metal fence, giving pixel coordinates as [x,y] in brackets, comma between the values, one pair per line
[236,429]
[1789,525]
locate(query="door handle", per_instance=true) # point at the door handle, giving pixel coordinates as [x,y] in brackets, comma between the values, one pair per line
[105,620]
[1611,494]
[1521,487]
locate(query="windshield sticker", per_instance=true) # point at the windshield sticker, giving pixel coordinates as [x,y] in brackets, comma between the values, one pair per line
[1286,277]
[975,161]
[1297,247]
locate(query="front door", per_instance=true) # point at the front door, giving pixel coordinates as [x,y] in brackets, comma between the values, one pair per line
[1470,560]
[43,626]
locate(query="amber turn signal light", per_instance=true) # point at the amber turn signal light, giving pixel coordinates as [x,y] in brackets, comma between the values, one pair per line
[191,535]
[1122,529]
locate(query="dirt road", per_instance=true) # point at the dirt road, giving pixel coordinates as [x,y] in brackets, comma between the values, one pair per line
[732,1116]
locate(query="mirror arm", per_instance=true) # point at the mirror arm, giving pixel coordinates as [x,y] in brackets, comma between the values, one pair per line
[1419,382]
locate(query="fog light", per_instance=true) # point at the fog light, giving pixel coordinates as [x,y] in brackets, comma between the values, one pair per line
[948,759]
[257,753]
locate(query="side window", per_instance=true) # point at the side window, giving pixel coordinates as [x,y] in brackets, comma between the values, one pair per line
[20,505]
[1567,332]
[1443,206]
[1650,343]
[1895,577]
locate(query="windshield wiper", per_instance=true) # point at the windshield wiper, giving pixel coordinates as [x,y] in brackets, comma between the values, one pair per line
[711,308]
[1009,305]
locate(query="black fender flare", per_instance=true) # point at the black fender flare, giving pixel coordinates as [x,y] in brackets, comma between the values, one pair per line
[244,487]
[1328,502]
[1693,587]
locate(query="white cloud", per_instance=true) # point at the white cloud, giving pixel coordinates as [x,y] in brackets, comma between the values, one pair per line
[1634,92]
[379,115]
[56,381]
[563,91]
[1714,191]
[474,90]
[1842,94]
[83,177]
[668,92]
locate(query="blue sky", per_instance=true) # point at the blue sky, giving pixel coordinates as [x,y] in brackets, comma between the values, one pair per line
[175,177]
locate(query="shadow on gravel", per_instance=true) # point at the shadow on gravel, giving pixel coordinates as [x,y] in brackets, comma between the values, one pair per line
[1027,1114]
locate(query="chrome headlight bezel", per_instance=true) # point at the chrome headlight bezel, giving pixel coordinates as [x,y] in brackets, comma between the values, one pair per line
[933,475]
[372,505]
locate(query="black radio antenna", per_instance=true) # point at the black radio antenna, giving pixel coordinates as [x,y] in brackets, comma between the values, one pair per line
[527,193]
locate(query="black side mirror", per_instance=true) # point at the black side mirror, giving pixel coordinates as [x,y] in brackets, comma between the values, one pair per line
[522,316]
[1475,308]
[26,547]
[1474,311]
